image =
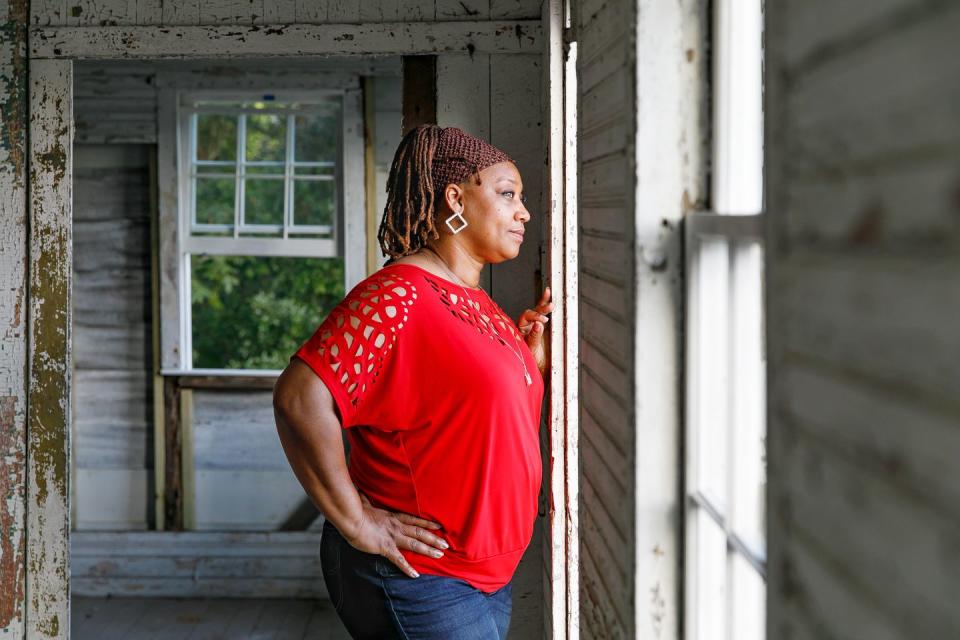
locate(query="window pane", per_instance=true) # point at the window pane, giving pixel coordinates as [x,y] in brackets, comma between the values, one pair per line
[227,168]
[266,137]
[749,393]
[747,600]
[263,202]
[215,199]
[253,312]
[317,137]
[216,137]
[711,426]
[314,202]
[709,581]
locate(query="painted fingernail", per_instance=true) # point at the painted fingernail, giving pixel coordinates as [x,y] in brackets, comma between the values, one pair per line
[416,575]
[438,554]
[443,543]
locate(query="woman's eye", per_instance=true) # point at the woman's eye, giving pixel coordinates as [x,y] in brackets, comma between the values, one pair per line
[508,193]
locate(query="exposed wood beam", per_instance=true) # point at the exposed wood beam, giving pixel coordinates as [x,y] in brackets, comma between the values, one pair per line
[50,366]
[388,38]
[173,441]
[419,91]
[14,238]
[228,383]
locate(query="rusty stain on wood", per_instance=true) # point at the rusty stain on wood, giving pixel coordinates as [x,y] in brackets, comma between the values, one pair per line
[48,395]
[11,531]
[13,114]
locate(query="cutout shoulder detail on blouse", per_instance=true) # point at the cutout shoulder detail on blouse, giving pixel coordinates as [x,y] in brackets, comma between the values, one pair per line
[361,331]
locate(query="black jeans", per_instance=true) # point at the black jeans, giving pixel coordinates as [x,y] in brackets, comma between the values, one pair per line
[376,600]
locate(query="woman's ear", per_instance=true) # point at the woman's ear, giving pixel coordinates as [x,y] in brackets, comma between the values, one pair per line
[453,197]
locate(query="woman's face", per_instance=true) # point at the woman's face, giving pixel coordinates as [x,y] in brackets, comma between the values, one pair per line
[494,210]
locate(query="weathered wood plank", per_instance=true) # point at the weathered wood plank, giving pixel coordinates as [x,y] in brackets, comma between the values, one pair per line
[192,564]
[516,127]
[386,11]
[112,419]
[464,10]
[914,443]
[48,12]
[230,12]
[514,9]
[101,12]
[13,316]
[879,317]
[837,507]
[419,91]
[280,12]
[235,431]
[604,182]
[244,500]
[112,499]
[48,513]
[411,38]
[463,93]
[181,12]
[822,31]
[343,11]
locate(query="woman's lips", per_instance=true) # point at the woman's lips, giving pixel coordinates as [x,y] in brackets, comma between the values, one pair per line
[518,235]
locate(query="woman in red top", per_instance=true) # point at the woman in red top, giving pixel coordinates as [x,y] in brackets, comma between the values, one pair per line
[440,394]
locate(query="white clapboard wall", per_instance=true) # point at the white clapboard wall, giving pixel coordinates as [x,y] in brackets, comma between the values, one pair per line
[112,421]
[863,133]
[641,77]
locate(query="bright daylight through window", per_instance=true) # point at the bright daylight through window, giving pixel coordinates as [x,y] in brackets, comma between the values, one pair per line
[725,384]
[261,186]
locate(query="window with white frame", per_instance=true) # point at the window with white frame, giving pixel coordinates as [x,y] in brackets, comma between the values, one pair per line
[263,241]
[725,380]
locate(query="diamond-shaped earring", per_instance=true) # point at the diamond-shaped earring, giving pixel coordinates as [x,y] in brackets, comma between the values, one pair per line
[463,222]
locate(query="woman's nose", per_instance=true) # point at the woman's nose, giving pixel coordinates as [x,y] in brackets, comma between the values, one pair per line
[524,211]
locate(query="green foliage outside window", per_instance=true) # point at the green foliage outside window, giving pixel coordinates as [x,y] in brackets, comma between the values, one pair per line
[253,312]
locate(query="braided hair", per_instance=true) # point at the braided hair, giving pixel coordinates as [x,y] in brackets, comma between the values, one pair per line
[408,218]
[428,159]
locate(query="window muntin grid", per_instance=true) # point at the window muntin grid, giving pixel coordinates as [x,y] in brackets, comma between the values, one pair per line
[299,179]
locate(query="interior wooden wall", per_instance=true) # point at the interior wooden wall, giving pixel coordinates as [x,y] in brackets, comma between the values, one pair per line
[863,300]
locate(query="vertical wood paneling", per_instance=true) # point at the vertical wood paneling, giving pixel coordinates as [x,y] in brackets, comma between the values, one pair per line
[312,10]
[13,315]
[463,100]
[516,120]
[230,12]
[862,298]
[459,76]
[279,11]
[386,11]
[101,12]
[181,12]
[48,426]
[343,11]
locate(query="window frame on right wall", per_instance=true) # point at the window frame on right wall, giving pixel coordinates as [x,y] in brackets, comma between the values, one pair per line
[725,380]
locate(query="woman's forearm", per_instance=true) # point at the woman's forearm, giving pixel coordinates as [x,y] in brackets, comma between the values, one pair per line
[310,434]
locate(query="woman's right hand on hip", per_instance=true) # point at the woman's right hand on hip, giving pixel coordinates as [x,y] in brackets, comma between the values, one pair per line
[386,532]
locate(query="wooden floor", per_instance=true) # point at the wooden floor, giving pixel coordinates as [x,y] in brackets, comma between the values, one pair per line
[203,619]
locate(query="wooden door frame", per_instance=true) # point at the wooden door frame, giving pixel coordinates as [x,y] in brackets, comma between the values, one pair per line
[50,184]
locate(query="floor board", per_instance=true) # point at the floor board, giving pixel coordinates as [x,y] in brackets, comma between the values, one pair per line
[204,619]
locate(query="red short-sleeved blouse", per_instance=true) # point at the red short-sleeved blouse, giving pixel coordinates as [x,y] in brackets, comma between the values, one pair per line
[440,420]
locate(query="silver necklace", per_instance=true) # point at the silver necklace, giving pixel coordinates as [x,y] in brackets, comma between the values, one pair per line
[526,374]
